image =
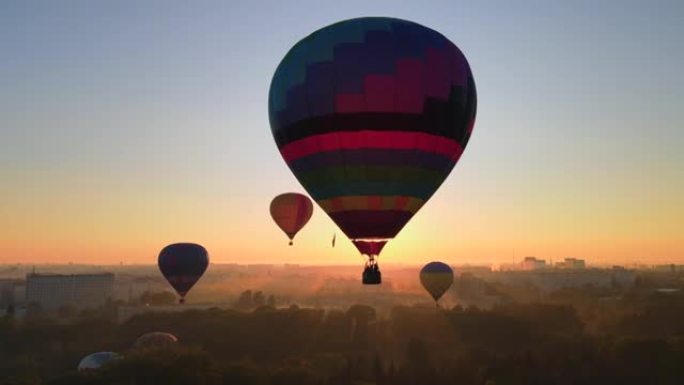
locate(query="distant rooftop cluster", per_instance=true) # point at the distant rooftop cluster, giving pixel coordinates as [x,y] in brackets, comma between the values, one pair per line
[534,263]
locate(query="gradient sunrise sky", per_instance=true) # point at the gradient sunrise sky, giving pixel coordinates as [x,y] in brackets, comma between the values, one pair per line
[128,125]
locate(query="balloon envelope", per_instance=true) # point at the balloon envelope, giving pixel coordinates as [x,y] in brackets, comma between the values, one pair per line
[182,264]
[96,360]
[156,340]
[436,278]
[291,211]
[371,115]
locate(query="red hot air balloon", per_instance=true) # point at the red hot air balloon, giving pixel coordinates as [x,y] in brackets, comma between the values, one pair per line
[291,211]
[156,340]
[183,264]
[371,115]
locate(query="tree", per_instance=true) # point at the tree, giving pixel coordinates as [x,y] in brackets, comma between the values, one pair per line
[67,311]
[361,316]
[378,371]
[258,299]
[34,312]
[417,353]
[244,301]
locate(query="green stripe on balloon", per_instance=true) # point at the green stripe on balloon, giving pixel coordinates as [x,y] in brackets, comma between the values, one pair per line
[368,180]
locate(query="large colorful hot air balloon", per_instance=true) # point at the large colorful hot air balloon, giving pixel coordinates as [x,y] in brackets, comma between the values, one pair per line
[436,278]
[155,340]
[96,360]
[182,264]
[371,115]
[291,211]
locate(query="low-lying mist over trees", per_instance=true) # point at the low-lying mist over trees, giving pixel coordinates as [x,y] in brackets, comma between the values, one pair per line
[489,330]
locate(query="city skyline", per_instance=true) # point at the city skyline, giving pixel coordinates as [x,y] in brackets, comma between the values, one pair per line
[129,126]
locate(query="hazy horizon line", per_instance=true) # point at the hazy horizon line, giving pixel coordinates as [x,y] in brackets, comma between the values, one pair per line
[308,264]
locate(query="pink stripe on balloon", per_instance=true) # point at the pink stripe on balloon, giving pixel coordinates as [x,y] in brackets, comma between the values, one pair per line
[438,74]
[354,140]
[379,90]
[409,92]
[459,68]
[400,203]
[374,202]
[348,103]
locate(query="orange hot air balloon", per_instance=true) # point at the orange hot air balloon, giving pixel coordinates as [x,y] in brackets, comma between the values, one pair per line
[291,211]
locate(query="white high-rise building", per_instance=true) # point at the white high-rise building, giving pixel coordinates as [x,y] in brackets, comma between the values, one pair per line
[572,263]
[532,263]
[51,291]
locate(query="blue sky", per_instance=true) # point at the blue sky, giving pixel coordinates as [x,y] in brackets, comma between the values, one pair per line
[106,106]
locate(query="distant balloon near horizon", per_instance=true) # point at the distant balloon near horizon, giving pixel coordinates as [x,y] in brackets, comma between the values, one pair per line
[183,264]
[291,211]
[371,115]
[436,278]
[96,360]
[155,340]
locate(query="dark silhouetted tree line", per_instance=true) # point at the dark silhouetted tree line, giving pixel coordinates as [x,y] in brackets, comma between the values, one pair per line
[574,337]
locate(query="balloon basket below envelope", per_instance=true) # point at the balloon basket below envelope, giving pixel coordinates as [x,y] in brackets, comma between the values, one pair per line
[371,274]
